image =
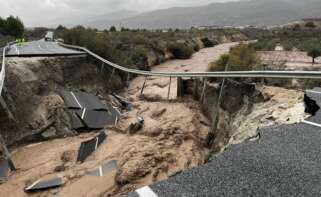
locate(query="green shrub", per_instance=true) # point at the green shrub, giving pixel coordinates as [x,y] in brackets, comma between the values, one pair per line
[241,58]
[314,53]
[139,57]
[181,50]
[207,42]
[220,64]
[310,24]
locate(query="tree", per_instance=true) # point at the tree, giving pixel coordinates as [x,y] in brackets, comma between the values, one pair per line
[14,26]
[314,53]
[310,24]
[2,25]
[112,29]
[61,28]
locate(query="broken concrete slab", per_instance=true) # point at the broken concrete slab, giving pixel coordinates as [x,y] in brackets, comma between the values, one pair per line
[80,100]
[76,122]
[89,146]
[138,125]
[126,105]
[96,119]
[45,184]
[6,166]
[104,169]
[70,100]
[89,101]
[87,111]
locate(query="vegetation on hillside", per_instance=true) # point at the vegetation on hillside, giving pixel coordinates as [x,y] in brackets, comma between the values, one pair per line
[241,58]
[298,37]
[138,48]
[11,26]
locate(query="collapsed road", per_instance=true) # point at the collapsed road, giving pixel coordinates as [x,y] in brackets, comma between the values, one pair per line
[170,140]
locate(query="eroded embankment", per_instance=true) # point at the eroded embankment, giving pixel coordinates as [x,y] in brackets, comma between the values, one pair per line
[172,139]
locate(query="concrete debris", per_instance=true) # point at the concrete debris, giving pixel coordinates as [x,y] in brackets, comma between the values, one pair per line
[87,111]
[311,105]
[45,184]
[125,104]
[6,166]
[138,125]
[103,169]
[88,147]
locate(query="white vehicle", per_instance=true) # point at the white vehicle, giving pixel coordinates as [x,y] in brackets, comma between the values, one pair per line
[49,36]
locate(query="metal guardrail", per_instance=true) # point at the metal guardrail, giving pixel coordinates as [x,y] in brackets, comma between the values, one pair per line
[227,74]
[3,66]
[3,69]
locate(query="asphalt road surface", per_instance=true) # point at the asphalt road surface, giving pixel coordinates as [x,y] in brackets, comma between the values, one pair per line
[41,48]
[285,161]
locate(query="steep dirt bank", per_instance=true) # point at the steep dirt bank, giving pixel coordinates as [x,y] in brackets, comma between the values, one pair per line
[171,140]
[245,108]
[33,85]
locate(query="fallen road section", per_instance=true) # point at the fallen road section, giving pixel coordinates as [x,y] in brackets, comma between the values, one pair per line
[43,184]
[87,111]
[104,169]
[6,166]
[88,147]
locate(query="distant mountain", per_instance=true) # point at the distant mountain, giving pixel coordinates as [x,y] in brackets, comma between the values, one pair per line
[246,12]
[96,21]
[105,21]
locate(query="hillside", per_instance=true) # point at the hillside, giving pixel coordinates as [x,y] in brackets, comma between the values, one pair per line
[252,12]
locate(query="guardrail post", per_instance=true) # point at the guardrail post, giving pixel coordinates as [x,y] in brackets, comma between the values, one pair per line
[102,68]
[169,87]
[142,90]
[111,76]
[180,87]
[203,91]
[127,80]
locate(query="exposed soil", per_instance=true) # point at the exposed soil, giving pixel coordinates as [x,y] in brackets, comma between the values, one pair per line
[171,140]
[294,60]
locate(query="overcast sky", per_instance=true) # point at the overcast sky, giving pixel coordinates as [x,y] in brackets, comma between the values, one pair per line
[41,12]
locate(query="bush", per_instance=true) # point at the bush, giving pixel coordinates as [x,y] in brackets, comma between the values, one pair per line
[139,57]
[241,58]
[207,42]
[220,64]
[12,26]
[314,53]
[310,24]
[181,50]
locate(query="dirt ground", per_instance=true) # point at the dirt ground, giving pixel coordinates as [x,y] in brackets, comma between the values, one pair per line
[295,60]
[170,141]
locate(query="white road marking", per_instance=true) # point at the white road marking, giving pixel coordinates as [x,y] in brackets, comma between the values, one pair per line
[312,91]
[76,99]
[17,50]
[146,192]
[312,123]
[40,47]
[83,113]
[31,186]
[100,171]
[97,139]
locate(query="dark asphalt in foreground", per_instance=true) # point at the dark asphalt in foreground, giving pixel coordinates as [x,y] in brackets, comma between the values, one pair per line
[40,48]
[286,161]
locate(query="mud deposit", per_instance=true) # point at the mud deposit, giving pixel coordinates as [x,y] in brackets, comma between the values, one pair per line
[171,140]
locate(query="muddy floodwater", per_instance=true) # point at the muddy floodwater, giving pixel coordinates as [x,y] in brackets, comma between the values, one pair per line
[171,140]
